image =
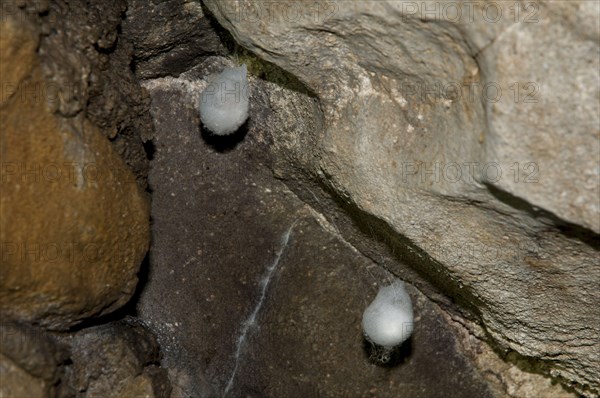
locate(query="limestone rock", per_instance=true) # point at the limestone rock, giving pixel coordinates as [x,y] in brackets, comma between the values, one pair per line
[543,130]
[17,54]
[74,225]
[423,168]
[228,224]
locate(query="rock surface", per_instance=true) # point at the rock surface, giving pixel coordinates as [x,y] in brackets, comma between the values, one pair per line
[16,382]
[116,360]
[459,153]
[31,362]
[74,224]
[221,222]
[421,165]
[169,37]
[88,62]
[544,129]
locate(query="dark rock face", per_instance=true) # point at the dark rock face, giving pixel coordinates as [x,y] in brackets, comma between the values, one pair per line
[117,359]
[32,362]
[251,292]
[308,341]
[169,37]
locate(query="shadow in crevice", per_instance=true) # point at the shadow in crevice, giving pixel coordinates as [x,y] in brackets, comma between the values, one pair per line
[128,309]
[224,143]
[404,251]
[569,229]
[149,149]
[394,357]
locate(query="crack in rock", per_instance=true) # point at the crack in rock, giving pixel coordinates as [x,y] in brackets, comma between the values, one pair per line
[251,321]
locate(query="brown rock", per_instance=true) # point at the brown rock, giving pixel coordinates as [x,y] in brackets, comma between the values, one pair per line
[89,62]
[15,382]
[17,54]
[117,360]
[34,350]
[30,362]
[74,225]
[138,387]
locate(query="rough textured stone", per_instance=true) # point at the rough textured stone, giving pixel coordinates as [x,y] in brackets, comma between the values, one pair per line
[220,220]
[373,141]
[16,382]
[31,362]
[87,64]
[18,44]
[302,343]
[169,37]
[74,226]
[32,349]
[138,387]
[391,153]
[116,360]
[544,130]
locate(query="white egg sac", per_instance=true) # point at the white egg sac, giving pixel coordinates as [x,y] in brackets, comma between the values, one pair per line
[224,103]
[388,320]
